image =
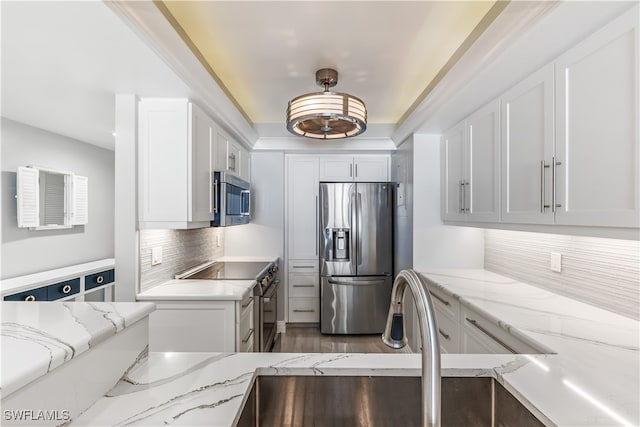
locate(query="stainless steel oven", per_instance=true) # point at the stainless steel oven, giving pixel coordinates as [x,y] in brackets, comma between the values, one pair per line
[268,316]
[231,200]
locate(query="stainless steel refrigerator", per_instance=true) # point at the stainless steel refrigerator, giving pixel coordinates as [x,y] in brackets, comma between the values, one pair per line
[356,256]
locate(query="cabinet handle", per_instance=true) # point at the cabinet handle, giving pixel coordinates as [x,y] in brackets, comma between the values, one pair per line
[467,195]
[356,170]
[99,280]
[446,336]
[247,304]
[66,289]
[246,339]
[460,206]
[30,298]
[543,196]
[442,300]
[268,311]
[303,266]
[304,286]
[351,170]
[215,196]
[554,174]
[304,311]
[490,335]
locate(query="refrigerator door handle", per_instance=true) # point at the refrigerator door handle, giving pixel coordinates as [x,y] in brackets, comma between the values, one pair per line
[356,282]
[359,237]
[354,232]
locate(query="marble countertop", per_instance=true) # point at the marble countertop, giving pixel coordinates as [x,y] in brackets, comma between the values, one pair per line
[37,337]
[198,289]
[592,379]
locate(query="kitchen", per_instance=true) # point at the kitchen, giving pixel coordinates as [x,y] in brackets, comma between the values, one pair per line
[133,55]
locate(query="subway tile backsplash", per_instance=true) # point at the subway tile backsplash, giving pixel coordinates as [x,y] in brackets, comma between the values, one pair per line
[180,249]
[601,272]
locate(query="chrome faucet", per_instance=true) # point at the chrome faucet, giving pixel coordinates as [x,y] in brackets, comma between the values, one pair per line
[395,337]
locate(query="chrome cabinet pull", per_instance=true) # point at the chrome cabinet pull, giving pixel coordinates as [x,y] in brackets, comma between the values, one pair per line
[467,195]
[303,266]
[303,311]
[490,335]
[554,176]
[246,339]
[215,196]
[460,207]
[66,289]
[304,286]
[351,170]
[30,298]
[446,336]
[442,300]
[356,170]
[543,196]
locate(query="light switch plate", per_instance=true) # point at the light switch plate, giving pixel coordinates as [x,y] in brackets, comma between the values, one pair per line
[556,262]
[156,255]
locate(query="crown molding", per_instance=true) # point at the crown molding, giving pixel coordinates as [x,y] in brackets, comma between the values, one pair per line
[299,144]
[148,22]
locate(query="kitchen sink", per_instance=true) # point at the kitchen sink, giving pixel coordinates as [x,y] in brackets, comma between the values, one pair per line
[378,401]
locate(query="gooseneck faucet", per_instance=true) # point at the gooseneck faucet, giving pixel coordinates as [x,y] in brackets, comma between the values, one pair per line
[395,337]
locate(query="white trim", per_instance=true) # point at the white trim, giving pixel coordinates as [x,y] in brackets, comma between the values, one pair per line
[308,146]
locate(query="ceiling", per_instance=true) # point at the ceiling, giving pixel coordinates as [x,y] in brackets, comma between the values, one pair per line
[266,52]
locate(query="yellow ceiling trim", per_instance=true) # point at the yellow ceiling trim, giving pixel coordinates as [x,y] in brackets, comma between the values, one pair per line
[183,35]
[484,23]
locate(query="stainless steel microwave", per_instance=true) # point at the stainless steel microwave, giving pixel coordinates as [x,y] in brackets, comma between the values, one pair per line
[231,200]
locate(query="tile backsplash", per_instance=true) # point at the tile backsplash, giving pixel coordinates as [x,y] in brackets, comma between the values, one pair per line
[598,271]
[180,249]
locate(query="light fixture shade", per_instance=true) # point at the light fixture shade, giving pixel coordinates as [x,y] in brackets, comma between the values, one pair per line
[326,115]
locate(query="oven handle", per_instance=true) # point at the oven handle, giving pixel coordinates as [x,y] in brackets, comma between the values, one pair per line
[272,290]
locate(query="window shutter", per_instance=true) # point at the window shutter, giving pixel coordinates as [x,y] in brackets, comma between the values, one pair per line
[79,206]
[28,197]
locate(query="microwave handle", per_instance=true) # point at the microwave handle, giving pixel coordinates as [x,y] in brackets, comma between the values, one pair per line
[215,196]
[248,212]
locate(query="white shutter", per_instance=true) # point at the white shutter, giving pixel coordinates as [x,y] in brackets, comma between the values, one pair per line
[28,197]
[79,198]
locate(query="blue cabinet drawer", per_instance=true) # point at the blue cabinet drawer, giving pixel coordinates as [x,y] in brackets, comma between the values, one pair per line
[38,294]
[98,279]
[63,289]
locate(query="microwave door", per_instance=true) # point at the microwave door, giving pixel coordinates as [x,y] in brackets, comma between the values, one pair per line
[246,203]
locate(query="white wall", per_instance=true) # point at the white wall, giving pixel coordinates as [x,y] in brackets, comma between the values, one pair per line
[25,251]
[436,245]
[264,236]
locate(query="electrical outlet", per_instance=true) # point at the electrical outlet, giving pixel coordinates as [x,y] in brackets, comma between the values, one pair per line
[218,241]
[556,262]
[156,255]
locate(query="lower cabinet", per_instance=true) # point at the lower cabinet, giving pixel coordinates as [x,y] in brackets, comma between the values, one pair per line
[464,330]
[220,326]
[304,291]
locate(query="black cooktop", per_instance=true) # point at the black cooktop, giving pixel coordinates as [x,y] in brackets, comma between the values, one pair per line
[231,270]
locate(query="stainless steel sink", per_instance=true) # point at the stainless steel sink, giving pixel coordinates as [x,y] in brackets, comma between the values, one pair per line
[378,401]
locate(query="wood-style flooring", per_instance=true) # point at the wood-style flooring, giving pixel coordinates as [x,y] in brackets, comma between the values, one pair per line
[308,339]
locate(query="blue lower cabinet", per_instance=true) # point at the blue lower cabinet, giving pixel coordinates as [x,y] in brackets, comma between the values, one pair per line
[98,279]
[38,294]
[63,289]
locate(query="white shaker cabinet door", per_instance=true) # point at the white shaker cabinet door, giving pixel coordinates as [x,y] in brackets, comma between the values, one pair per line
[201,134]
[302,207]
[371,168]
[452,176]
[336,168]
[527,149]
[597,112]
[482,164]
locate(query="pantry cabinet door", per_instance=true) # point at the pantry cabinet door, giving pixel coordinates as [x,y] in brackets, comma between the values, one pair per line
[597,128]
[482,164]
[527,149]
[452,188]
[302,207]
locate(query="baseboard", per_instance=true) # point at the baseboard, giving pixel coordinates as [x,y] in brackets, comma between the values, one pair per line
[281,327]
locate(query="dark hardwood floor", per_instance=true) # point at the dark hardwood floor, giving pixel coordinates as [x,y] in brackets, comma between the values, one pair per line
[308,339]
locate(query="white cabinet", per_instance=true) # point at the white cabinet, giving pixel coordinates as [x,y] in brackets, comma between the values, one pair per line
[471,167]
[231,156]
[175,154]
[597,136]
[220,326]
[302,207]
[364,168]
[527,149]
[304,291]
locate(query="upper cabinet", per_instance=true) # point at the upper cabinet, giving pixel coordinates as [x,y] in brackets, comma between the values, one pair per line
[568,147]
[527,149]
[231,157]
[597,149]
[302,207]
[471,167]
[364,168]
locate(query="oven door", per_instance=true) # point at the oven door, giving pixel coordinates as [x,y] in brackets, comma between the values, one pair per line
[269,316]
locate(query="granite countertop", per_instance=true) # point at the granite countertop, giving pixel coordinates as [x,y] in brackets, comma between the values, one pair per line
[592,379]
[198,289]
[37,337]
